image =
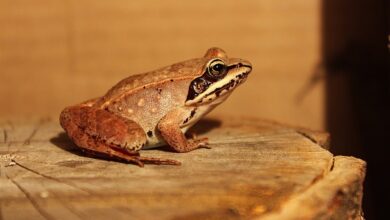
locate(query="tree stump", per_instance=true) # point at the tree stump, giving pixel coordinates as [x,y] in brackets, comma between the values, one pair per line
[256,169]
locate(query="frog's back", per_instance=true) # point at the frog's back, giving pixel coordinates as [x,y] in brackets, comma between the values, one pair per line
[186,69]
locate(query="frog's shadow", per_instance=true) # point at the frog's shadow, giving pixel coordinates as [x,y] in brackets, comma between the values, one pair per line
[63,142]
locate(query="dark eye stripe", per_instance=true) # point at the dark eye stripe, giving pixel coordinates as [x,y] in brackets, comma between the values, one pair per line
[199,85]
[194,90]
[208,79]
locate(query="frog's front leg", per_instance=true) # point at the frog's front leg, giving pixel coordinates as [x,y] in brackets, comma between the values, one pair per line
[169,127]
[102,133]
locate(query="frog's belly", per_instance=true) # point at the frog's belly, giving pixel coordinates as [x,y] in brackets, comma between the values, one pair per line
[154,144]
[158,141]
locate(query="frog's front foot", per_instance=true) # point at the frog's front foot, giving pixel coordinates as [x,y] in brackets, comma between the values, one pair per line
[169,127]
[199,143]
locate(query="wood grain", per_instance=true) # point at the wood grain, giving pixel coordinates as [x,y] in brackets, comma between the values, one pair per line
[255,169]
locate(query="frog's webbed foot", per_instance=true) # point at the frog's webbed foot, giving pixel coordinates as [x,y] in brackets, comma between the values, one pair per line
[169,127]
[158,161]
[102,133]
[199,142]
[135,157]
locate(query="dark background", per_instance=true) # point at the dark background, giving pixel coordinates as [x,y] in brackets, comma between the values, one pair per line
[356,58]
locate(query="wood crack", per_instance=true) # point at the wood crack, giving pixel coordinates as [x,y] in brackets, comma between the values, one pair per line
[307,136]
[50,177]
[332,165]
[320,138]
[332,201]
[34,203]
[314,181]
[323,175]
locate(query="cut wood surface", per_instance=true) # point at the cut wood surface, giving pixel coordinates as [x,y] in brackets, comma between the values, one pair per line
[255,169]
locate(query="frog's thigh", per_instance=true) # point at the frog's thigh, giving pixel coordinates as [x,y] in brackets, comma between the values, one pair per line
[169,127]
[89,126]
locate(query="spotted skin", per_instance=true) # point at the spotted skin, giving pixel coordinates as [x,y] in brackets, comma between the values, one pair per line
[155,108]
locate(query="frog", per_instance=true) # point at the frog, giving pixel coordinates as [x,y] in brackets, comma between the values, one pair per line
[155,109]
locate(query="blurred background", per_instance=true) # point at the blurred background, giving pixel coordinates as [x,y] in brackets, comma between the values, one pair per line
[321,64]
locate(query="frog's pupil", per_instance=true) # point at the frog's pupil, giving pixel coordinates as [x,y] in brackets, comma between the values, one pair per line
[217,67]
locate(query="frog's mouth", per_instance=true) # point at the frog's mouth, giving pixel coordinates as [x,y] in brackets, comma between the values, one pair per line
[222,88]
[237,80]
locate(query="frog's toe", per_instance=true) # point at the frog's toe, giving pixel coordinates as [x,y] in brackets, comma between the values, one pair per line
[159,161]
[200,143]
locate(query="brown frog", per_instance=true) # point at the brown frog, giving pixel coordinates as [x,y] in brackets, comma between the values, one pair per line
[155,108]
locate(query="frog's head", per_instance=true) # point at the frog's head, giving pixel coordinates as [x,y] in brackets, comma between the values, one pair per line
[219,76]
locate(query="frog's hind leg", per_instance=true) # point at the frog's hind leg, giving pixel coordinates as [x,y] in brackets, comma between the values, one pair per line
[102,133]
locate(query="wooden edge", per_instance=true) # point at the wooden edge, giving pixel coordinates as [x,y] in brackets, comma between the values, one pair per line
[338,195]
[319,137]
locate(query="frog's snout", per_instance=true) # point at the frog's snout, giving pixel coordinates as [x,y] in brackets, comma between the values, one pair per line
[246,65]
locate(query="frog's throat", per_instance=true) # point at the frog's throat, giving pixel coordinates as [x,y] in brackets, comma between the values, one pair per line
[222,87]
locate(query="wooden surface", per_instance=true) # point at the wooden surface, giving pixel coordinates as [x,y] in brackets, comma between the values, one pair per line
[55,53]
[255,169]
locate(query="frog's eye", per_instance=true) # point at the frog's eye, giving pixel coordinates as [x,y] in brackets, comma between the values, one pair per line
[199,85]
[216,68]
